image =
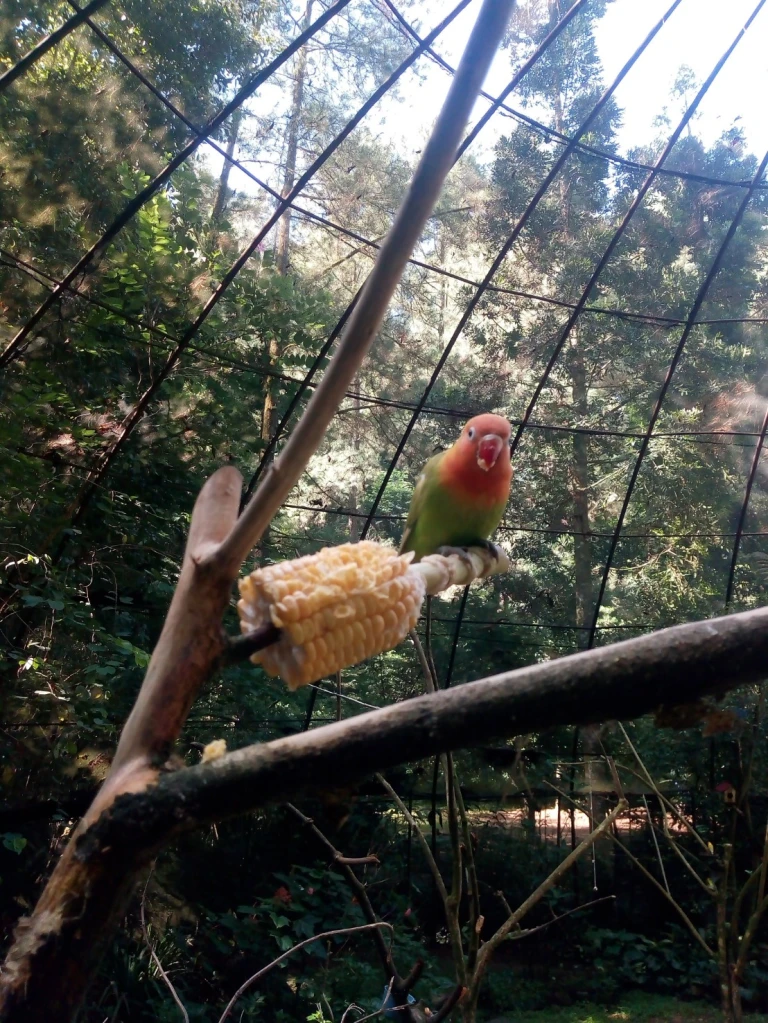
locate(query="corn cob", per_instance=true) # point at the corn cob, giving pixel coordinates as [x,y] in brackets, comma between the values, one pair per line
[335,608]
[345,604]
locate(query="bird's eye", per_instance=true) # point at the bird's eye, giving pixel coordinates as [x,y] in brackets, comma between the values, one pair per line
[471,432]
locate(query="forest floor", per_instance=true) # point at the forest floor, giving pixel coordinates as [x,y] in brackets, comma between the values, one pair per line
[635,1008]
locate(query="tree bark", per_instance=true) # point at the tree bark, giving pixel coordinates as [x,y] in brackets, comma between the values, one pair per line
[222,193]
[291,148]
[582,547]
[282,241]
[357,484]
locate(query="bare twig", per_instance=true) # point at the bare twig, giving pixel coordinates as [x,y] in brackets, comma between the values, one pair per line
[670,899]
[646,777]
[473,887]
[546,885]
[431,862]
[370,1015]
[686,862]
[426,668]
[675,905]
[451,917]
[527,931]
[453,901]
[763,867]
[673,844]
[400,986]
[302,944]
[449,1004]
[723,959]
[742,946]
[656,843]
[456,811]
[383,949]
[503,900]
[155,957]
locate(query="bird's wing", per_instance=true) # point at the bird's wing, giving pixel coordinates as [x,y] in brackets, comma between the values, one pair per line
[417,500]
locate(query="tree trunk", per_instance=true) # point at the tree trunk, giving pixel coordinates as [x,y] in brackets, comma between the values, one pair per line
[282,243]
[354,489]
[443,288]
[582,551]
[223,193]
[730,995]
[582,548]
[291,148]
[268,409]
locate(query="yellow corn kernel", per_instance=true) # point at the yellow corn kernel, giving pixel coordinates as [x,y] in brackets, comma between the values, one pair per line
[215,749]
[334,609]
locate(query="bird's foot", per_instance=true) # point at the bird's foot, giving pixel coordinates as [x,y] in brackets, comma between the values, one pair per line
[459,552]
[492,549]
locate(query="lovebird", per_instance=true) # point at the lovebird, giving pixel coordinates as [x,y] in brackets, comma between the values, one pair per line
[461,493]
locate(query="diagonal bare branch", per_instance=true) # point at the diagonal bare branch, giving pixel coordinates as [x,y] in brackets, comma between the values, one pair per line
[368,314]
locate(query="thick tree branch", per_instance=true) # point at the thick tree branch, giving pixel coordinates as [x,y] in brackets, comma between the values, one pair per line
[191,640]
[625,680]
[628,679]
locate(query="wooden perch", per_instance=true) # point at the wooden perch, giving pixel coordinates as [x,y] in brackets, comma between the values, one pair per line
[621,681]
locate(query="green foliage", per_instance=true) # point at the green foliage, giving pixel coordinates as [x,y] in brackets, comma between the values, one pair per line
[622,959]
[633,1008]
[15,843]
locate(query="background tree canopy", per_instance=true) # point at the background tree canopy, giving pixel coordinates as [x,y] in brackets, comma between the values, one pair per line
[109,426]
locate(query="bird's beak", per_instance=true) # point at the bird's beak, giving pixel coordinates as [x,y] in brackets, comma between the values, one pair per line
[488,450]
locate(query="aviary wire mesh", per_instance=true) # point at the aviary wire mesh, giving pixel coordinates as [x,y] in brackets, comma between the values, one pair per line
[614,550]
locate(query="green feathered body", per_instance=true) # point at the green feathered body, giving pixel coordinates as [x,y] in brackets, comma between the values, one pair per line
[447,513]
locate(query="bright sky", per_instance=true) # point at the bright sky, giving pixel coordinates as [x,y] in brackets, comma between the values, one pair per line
[697,34]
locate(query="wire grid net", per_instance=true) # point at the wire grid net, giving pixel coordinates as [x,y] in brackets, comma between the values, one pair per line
[579,328]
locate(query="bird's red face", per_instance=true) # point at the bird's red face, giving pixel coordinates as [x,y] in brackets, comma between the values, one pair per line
[487,436]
